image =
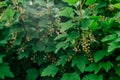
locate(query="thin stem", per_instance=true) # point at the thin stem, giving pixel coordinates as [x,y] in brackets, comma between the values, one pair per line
[80,10]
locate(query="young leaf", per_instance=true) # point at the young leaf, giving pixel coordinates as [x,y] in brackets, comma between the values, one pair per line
[94,25]
[117,5]
[70,76]
[71,2]
[2,4]
[8,16]
[32,74]
[80,62]
[51,70]
[89,2]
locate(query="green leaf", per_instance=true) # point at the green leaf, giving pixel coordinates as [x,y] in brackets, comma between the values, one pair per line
[113,45]
[49,47]
[51,70]
[117,70]
[80,62]
[92,77]
[114,78]
[95,18]
[118,33]
[8,15]
[93,67]
[70,76]
[117,5]
[23,54]
[66,25]
[100,77]
[32,74]
[94,25]
[19,39]
[62,45]
[118,39]
[3,42]
[1,26]
[73,35]
[106,65]
[2,4]
[39,46]
[5,71]
[118,58]
[67,12]
[89,2]
[62,61]
[117,1]
[1,58]
[109,37]
[61,36]
[100,55]
[39,59]
[86,23]
[71,2]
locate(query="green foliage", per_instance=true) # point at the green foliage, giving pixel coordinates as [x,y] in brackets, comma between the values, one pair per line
[93,77]
[66,26]
[86,23]
[89,2]
[67,12]
[32,74]
[60,40]
[70,76]
[106,65]
[80,62]
[51,70]
[109,38]
[71,2]
[1,58]
[100,55]
[118,58]
[117,5]
[93,67]
[5,71]
[113,46]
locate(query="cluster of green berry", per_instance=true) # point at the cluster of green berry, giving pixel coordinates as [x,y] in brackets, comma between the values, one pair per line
[86,40]
[11,42]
